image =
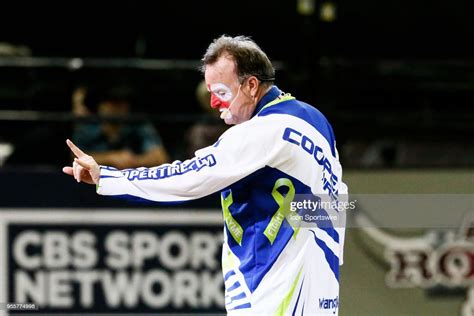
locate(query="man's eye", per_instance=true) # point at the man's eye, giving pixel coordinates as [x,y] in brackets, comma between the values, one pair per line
[222,92]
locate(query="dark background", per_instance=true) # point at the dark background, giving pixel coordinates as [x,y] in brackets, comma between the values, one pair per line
[183,29]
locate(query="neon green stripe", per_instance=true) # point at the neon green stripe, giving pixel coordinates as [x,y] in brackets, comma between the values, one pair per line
[283,202]
[287,300]
[229,262]
[232,225]
[286,97]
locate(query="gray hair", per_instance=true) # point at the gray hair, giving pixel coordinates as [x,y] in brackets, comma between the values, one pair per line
[249,58]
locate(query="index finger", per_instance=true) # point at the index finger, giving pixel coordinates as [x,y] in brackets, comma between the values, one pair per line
[79,153]
[85,165]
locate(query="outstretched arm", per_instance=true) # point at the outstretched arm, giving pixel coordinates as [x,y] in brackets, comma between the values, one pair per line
[240,151]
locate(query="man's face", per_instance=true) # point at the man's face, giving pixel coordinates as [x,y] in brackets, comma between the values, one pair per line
[223,83]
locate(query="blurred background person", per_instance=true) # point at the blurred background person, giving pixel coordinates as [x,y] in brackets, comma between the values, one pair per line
[116,143]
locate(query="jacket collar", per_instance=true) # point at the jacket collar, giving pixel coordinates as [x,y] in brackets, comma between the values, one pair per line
[271,95]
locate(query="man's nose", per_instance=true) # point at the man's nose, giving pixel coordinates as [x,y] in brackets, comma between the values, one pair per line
[215,102]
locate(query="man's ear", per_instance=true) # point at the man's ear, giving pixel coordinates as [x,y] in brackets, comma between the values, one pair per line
[254,84]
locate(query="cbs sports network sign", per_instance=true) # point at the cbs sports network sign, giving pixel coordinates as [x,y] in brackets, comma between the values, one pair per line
[111,261]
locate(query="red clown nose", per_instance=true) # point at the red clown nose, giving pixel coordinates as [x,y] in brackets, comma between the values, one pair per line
[217,103]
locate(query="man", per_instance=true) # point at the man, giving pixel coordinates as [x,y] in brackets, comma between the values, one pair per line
[279,148]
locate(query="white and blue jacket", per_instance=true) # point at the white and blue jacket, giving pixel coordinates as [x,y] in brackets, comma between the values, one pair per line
[270,266]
